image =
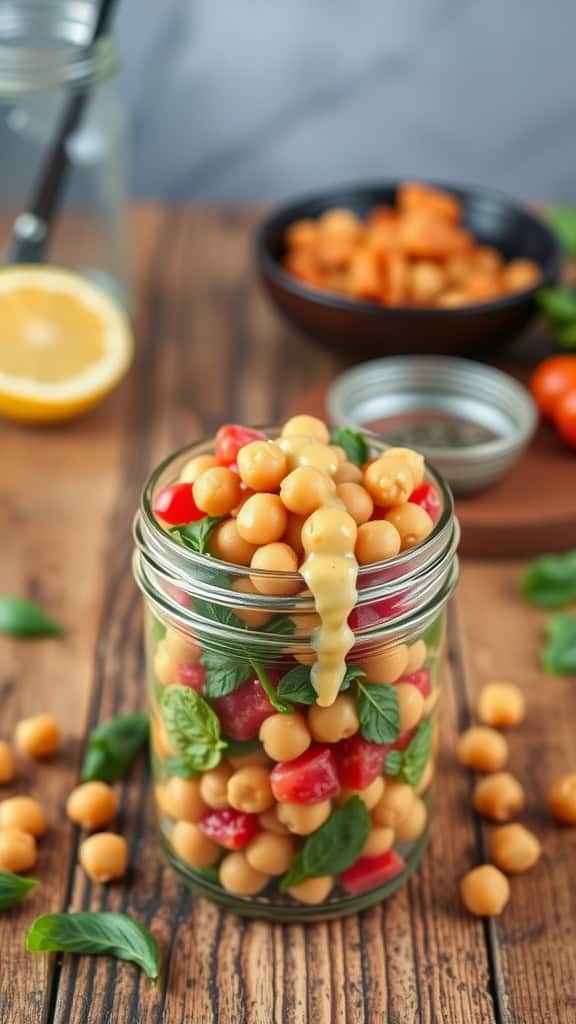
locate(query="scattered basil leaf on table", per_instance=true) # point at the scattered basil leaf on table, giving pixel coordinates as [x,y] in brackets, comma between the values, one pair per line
[13,888]
[559,654]
[409,764]
[113,745]
[196,536]
[353,442]
[562,220]
[558,306]
[378,712]
[550,581]
[335,846]
[21,617]
[193,728]
[96,933]
[296,686]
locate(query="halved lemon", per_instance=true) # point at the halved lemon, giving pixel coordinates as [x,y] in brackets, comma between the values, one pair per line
[64,344]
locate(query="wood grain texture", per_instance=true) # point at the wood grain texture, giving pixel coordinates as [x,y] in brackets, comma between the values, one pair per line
[209,349]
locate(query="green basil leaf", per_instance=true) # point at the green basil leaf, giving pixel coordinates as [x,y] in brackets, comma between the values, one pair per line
[334,846]
[13,888]
[565,335]
[279,625]
[354,444]
[224,674]
[21,617]
[113,745]
[177,766]
[211,874]
[279,705]
[296,686]
[96,933]
[550,581]
[157,629]
[378,712]
[558,304]
[562,220]
[434,634]
[559,654]
[196,536]
[193,728]
[237,748]
[393,765]
[416,756]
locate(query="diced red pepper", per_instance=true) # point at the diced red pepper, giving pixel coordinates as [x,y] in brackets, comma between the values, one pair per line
[193,676]
[307,779]
[402,741]
[368,615]
[231,438]
[370,872]
[176,505]
[428,498]
[359,761]
[241,713]
[229,828]
[422,680]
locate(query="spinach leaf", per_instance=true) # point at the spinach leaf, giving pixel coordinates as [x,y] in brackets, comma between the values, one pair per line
[192,727]
[13,888]
[562,220]
[334,846]
[94,933]
[410,763]
[559,654]
[378,712]
[196,536]
[21,617]
[296,686]
[550,581]
[353,442]
[113,745]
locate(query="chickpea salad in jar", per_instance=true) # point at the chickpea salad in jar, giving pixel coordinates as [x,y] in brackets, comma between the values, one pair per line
[295,582]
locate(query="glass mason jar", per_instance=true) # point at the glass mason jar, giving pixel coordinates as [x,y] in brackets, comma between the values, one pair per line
[223,658]
[45,55]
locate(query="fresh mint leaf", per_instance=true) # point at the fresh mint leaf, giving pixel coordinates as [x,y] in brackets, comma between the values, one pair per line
[296,686]
[237,748]
[21,617]
[177,766]
[211,874]
[224,674]
[410,763]
[378,712]
[279,625]
[13,888]
[562,220]
[550,581]
[354,444]
[559,654]
[96,933]
[335,846]
[113,745]
[393,765]
[193,728]
[196,535]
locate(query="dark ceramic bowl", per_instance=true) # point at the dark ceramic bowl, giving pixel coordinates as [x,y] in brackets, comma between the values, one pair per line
[369,328]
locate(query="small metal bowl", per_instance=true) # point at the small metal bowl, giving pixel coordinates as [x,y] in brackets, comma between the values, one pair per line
[472,422]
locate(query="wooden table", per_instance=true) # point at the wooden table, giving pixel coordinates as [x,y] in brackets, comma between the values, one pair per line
[209,349]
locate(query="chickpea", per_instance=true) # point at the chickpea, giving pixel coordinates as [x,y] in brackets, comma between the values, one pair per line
[91,805]
[262,519]
[519,275]
[293,534]
[249,790]
[430,702]
[214,787]
[410,705]
[379,841]
[312,890]
[370,795]
[17,850]
[414,459]
[339,452]
[302,819]
[319,456]
[395,805]
[498,796]
[387,666]
[183,800]
[270,823]
[194,467]
[255,757]
[426,779]
[426,281]
[275,558]
[348,473]
[262,465]
[482,749]
[270,853]
[389,480]
[485,891]
[335,723]
[164,665]
[562,799]
[412,826]
[412,522]
[217,491]
[501,705]
[285,737]
[104,856]
[160,742]
[304,490]
[514,849]
[417,653]
[192,846]
[377,541]
[237,876]
[255,618]
[7,763]
[293,447]
[328,528]
[302,234]
[160,798]
[227,544]
[356,500]
[38,736]
[307,426]
[181,646]
[452,299]
[23,813]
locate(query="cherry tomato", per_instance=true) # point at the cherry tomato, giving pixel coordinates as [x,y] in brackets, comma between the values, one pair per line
[231,438]
[552,379]
[307,779]
[565,417]
[359,761]
[193,676]
[422,680]
[241,713]
[428,498]
[229,828]
[370,872]
[176,505]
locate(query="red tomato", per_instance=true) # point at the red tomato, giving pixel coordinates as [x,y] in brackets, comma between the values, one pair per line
[403,740]
[307,779]
[565,416]
[231,438]
[428,498]
[370,872]
[176,505]
[369,615]
[193,676]
[422,680]
[241,713]
[359,761]
[552,379]
[232,829]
